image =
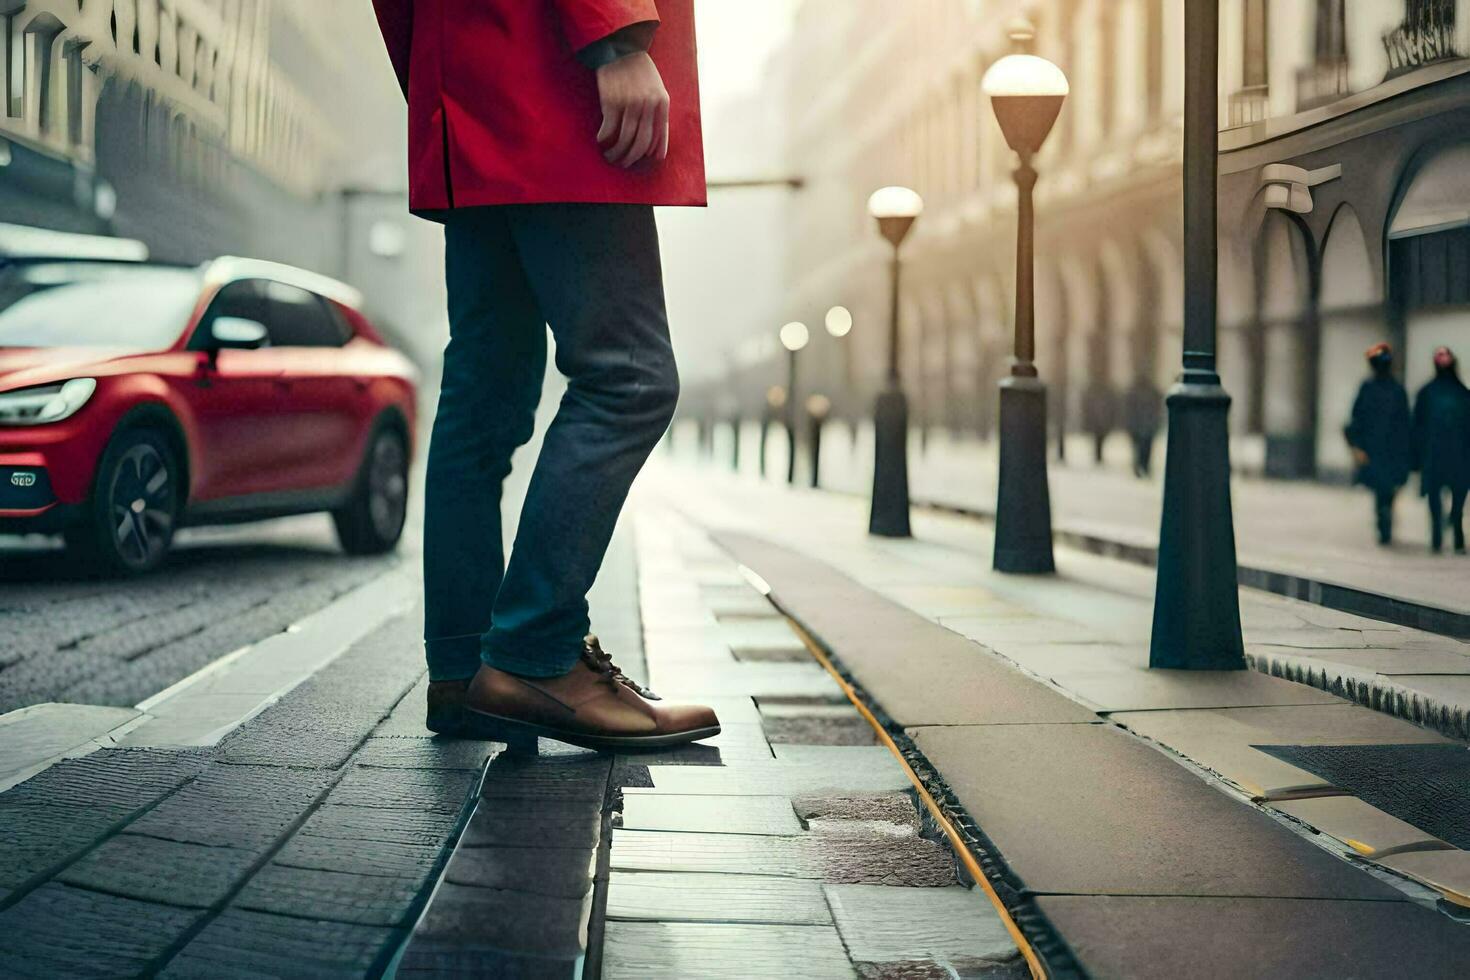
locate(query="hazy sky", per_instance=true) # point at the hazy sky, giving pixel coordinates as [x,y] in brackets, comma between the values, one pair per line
[735,37]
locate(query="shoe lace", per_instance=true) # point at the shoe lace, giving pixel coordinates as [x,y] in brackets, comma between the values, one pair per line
[602,662]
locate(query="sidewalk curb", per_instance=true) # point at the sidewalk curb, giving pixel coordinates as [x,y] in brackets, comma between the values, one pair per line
[207,705]
[1330,595]
[1380,693]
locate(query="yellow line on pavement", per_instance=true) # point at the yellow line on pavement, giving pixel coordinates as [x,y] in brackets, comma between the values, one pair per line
[956,841]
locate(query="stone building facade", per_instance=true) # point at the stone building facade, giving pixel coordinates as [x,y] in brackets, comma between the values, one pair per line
[268,128]
[1377,90]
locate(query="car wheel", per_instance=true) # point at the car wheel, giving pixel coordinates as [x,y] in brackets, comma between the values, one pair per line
[128,524]
[372,521]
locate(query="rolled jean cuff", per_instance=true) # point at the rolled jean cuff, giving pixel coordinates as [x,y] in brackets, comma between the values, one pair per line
[553,659]
[453,658]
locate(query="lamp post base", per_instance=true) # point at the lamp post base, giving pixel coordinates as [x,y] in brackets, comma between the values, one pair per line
[1197,600]
[1023,503]
[889,517]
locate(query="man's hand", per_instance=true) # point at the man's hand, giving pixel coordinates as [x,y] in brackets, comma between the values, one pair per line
[635,111]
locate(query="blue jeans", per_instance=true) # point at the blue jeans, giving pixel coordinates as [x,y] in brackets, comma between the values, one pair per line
[591,272]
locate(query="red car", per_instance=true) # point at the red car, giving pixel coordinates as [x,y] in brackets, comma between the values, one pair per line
[138,398]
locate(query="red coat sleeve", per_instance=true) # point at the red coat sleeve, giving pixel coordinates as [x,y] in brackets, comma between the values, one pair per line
[585,21]
[395,21]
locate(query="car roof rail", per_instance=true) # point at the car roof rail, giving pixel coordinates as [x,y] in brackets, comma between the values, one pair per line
[29,242]
[228,268]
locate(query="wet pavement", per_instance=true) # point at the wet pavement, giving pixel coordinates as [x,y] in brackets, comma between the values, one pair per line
[1094,786]
[744,856]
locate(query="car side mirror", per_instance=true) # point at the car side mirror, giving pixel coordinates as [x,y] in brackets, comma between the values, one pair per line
[237,333]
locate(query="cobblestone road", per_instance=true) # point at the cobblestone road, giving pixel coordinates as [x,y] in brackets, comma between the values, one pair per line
[68,637]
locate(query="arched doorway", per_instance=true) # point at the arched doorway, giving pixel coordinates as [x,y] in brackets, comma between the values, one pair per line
[1429,253]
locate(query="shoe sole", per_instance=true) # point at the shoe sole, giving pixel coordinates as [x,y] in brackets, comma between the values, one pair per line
[522,736]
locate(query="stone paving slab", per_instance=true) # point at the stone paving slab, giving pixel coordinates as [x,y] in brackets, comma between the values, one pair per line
[953,926]
[766,815]
[518,923]
[653,896]
[241,945]
[526,822]
[1366,829]
[870,859]
[557,872]
[1142,689]
[1448,872]
[373,900]
[680,950]
[235,806]
[961,683]
[1171,937]
[778,778]
[1090,810]
[34,736]
[61,931]
[53,817]
[688,680]
[1225,740]
[154,870]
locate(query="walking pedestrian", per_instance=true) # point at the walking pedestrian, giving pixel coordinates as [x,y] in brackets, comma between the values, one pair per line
[1379,434]
[541,134]
[1099,406]
[1144,409]
[1442,448]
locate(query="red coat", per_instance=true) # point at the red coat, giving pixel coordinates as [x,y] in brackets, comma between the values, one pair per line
[501,112]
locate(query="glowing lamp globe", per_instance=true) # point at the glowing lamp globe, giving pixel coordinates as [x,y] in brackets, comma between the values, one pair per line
[794,336]
[1026,92]
[896,209]
[839,321]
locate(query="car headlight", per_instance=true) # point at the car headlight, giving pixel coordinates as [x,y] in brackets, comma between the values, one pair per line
[48,403]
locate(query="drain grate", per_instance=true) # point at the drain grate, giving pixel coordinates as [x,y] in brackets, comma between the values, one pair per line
[1427,786]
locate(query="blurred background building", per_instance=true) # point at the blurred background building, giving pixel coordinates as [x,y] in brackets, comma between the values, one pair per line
[268,128]
[1345,208]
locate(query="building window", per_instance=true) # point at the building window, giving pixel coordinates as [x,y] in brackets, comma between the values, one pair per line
[1250,104]
[1429,269]
[1326,79]
[1427,35]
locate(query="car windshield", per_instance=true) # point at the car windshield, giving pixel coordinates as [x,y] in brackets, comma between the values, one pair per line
[93,304]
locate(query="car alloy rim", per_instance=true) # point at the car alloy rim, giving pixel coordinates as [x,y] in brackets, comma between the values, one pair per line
[141,504]
[387,486]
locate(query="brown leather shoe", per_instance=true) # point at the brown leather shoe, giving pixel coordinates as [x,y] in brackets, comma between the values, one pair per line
[445,704]
[594,706]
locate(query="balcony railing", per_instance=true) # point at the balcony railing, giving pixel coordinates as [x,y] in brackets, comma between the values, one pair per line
[1427,35]
[1249,105]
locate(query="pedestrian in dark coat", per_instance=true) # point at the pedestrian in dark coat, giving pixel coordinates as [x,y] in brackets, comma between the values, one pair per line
[1144,409]
[1442,447]
[1099,407]
[1380,436]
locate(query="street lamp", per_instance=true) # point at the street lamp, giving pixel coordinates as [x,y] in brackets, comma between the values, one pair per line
[1026,93]
[895,209]
[794,337]
[1197,599]
[838,322]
